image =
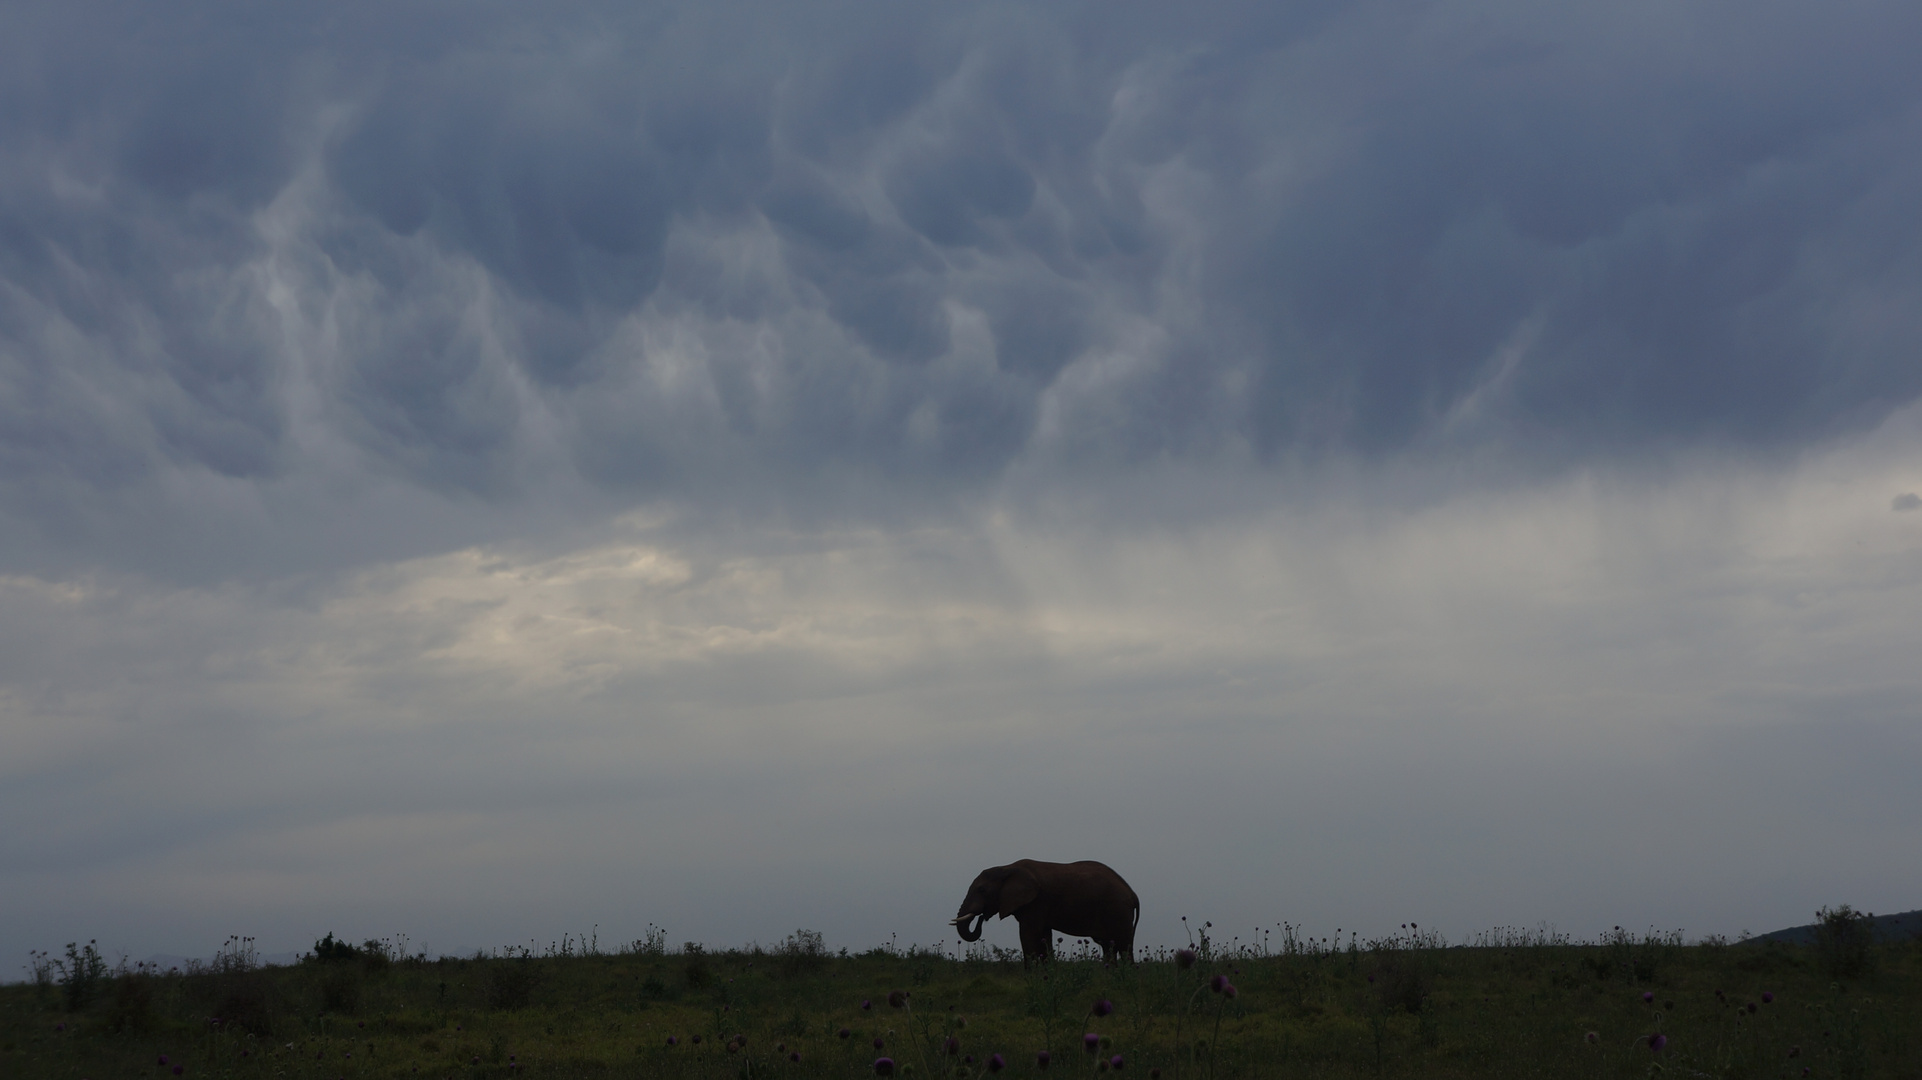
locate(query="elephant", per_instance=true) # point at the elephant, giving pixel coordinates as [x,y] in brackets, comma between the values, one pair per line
[1081,899]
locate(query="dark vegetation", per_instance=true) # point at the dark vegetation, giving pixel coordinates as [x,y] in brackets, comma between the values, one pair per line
[1507,1003]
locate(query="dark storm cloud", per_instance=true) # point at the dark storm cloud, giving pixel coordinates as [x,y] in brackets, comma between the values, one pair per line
[719,251]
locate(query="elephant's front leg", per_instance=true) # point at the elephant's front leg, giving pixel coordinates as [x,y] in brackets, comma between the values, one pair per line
[1037,939]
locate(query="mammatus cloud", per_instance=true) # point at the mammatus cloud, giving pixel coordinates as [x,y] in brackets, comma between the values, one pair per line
[1339,462]
[864,264]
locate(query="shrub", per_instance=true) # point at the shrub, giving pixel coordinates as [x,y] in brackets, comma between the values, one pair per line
[803,952]
[130,1009]
[1843,936]
[327,949]
[694,966]
[81,974]
[340,990]
[510,983]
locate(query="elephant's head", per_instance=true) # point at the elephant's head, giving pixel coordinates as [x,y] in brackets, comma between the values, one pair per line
[999,891]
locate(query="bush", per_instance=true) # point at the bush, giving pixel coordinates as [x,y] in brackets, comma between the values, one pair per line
[340,990]
[1843,936]
[804,951]
[694,966]
[510,983]
[130,1009]
[327,949]
[81,974]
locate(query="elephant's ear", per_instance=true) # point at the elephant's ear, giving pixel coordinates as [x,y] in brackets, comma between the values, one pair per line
[1017,892]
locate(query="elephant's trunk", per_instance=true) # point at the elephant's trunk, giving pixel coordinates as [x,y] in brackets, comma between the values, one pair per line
[961,926]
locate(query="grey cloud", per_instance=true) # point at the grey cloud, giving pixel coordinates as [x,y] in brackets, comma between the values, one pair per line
[1906,501]
[1304,234]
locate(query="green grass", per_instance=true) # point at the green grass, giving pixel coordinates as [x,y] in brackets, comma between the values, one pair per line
[1515,1005]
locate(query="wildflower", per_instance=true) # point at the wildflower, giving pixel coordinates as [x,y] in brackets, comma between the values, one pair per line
[1648,996]
[878,1044]
[695,1039]
[952,1046]
[883,1066]
[866,1005]
[1115,1063]
[1103,1007]
[996,1063]
[1091,1042]
[795,1057]
[1767,997]
[1218,983]
[1795,1051]
[897,999]
[969,1060]
[1041,1061]
[844,1033]
[1657,1041]
[1229,991]
[1184,958]
[671,1040]
[60,1027]
[163,1061]
[1592,1038]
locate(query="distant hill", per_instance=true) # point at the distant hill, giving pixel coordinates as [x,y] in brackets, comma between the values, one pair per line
[1887,928]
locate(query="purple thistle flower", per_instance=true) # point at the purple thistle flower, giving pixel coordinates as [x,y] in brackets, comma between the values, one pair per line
[996,1063]
[1103,1007]
[671,1040]
[969,1060]
[884,1066]
[1091,1042]
[1115,1063]
[1229,991]
[952,1045]
[878,1044]
[1218,983]
[1184,958]
[163,1061]
[1767,997]
[695,1039]
[1592,1037]
[1041,1061]
[1648,996]
[866,1004]
[844,1033]
[1657,1041]
[795,1057]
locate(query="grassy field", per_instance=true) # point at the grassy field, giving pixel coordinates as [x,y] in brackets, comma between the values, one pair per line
[1506,1004]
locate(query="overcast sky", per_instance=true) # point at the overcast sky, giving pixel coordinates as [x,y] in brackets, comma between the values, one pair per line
[485,470]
